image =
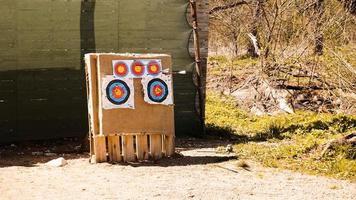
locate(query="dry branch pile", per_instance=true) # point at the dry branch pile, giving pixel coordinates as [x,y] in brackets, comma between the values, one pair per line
[304,53]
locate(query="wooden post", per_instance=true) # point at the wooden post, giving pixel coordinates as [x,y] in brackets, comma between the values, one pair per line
[128,148]
[199,71]
[142,147]
[114,148]
[156,146]
[100,148]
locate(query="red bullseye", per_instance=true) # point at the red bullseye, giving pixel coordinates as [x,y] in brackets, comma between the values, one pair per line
[117,92]
[120,69]
[137,69]
[154,68]
[157,90]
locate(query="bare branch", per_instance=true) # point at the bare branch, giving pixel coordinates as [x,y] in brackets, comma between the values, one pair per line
[226,7]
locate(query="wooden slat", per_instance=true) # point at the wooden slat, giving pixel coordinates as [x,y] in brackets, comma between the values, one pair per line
[156,146]
[128,148]
[100,148]
[114,148]
[169,145]
[164,149]
[142,147]
[92,95]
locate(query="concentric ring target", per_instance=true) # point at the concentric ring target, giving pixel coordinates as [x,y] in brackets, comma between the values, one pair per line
[154,68]
[120,69]
[117,92]
[157,90]
[137,68]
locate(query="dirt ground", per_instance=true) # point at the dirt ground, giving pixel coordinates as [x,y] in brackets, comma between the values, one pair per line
[197,173]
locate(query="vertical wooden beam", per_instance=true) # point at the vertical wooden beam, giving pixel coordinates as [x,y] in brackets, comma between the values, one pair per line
[92,96]
[169,145]
[100,148]
[128,148]
[198,67]
[142,147]
[156,146]
[114,148]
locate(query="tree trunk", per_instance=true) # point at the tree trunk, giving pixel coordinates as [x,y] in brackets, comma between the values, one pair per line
[251,49]
[236,44]
[318,33]
[350,6]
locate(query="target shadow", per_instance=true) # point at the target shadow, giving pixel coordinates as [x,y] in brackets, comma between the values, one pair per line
[181,160]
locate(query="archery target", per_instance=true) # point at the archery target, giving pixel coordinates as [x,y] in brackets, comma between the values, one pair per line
[154,68]
[120,68]
[158,90]
[137,69]
[117,93]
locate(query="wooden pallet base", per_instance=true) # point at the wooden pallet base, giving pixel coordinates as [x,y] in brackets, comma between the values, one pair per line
[132,147]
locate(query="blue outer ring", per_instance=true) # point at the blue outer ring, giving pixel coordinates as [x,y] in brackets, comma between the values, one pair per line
[111,97]
[151,84]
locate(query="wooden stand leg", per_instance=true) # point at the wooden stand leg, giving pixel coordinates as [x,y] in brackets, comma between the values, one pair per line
[100,148]
[142,147]
[169,145]
[156,146]
[114,148]
[128,148]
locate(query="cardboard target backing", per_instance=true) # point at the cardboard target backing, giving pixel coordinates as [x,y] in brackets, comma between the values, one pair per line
[145,117]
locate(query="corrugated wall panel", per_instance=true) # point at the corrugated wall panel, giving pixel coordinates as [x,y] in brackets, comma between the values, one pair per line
[42,42]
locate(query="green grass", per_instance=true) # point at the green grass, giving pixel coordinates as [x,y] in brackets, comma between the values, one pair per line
[286,141]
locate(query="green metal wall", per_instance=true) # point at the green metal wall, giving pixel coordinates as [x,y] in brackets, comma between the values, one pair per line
[42,43]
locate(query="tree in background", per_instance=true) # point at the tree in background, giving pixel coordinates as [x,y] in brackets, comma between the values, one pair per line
[299,43]
[319,38]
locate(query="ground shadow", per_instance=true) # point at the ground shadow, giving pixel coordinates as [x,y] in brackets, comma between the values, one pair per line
[227,133]
[181,160]
[31,154]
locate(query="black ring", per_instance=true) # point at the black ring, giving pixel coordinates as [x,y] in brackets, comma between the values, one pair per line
[108,92]
[149,93]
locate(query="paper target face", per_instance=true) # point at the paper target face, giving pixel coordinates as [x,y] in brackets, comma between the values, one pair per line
[120,68]
[117,93]
[154,68]
[137,69]
[158,90]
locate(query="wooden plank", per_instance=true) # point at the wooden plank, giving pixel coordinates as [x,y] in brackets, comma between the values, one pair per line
[169,145]
[156,146]
[100,148]
[163,139]
[114,148]
[142,147]
[128,148]
[92,95]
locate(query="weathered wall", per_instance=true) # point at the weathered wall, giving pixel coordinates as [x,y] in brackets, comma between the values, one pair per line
[42,89]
